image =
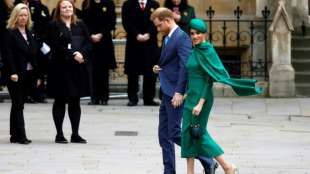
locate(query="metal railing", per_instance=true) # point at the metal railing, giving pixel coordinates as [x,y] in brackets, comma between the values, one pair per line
[242,33]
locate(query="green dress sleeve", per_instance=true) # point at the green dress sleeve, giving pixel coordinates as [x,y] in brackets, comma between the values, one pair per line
[206,88]
[210,62]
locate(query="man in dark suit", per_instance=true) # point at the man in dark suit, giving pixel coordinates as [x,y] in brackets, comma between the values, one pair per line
[141,49]
[173,78]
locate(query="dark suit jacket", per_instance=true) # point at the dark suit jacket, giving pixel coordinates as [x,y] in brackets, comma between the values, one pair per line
[137,22]
[18,53]
[174,56]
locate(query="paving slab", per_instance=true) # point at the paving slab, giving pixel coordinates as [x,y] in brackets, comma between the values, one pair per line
[261,136]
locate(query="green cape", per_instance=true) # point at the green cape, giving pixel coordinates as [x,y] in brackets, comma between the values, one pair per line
[211,63]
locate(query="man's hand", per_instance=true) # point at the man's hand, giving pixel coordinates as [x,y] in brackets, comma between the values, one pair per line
[156,69]
[95,38]
[14,77]
[177,100]
[78,57]
[143,37]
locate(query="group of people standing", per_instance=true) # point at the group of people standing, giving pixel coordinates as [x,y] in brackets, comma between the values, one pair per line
[187,66]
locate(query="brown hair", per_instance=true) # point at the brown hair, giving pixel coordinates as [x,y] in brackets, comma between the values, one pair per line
[57,17]
[162,13]
[9,5]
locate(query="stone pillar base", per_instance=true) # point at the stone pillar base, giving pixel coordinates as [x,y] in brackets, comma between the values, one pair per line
[282,81]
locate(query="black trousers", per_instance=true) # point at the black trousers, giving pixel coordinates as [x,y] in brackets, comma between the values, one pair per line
[74,112]
[31,84]
[17,124]
[149,82]
[100,83]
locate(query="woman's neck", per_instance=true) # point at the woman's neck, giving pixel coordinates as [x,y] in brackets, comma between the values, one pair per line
[22,29]
[67,21]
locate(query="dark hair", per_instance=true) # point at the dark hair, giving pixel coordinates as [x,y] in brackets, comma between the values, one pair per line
[183,5]
[86,4]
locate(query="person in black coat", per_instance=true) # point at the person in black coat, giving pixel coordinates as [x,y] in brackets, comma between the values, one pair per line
[142,51]
[100,18]
[5,8]
[67,78]
[20,57]
[40,17]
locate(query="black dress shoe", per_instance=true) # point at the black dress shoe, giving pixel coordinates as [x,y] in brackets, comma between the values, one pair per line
[131,103]
[151,103]
[103,102]
[93,103]
[78,139]
[13,139]
[24,141]
[61,139]
[30,100]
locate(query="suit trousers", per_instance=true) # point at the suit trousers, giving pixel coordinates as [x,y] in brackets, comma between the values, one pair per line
[149,82]
[74,112]
[17,92]
[169,133]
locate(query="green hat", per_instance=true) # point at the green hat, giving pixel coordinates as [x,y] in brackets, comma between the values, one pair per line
[198,24]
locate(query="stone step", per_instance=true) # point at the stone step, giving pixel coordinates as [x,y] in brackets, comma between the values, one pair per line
[301,65]
[298,31]
[302,77]
[300,53]
[300,41]
[302,89]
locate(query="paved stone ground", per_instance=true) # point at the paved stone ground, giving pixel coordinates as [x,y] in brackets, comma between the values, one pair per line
[261,136]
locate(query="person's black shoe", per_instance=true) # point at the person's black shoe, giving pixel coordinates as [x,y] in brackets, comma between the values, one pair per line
[93,103]
[212,168]
[151,103]
[131,103]
[103,102]
[13,139]
[77,139]
[30,100]
[42,101]
[24,141]
[61,139]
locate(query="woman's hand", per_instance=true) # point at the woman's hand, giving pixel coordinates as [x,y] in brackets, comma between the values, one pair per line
[39,82]
[78,57]
[177,17]
[14,77]
[197,109]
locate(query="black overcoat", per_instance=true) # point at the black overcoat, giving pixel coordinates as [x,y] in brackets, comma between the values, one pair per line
[66,77]
[140,57]
[101,18]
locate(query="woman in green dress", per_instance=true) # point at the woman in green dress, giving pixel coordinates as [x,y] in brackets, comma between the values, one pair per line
[204,67]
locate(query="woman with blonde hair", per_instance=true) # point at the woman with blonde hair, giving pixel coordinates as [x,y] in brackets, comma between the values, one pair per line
[20,57]
[67,78]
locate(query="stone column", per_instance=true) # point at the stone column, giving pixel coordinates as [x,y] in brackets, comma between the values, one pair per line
[282,74]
